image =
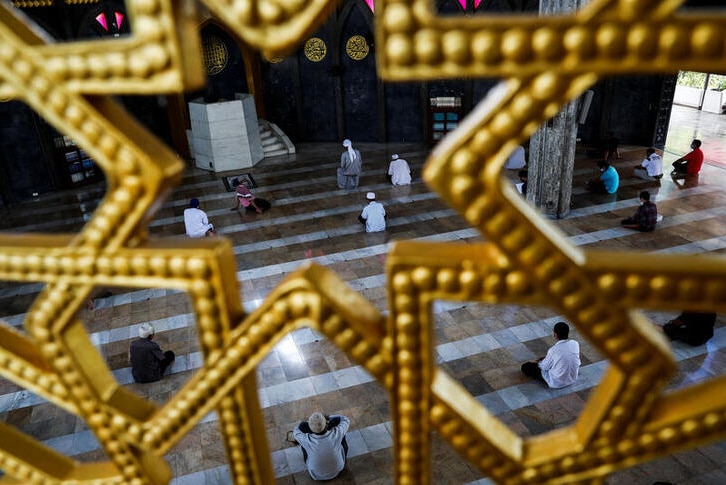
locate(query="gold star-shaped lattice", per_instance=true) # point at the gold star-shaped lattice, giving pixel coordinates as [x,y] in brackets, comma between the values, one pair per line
[66,84]
[549,61]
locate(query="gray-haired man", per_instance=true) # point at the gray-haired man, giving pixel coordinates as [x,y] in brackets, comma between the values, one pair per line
[148,362]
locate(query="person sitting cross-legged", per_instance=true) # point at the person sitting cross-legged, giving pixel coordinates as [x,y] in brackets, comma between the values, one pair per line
[324,448]
[399,171]
[196,223]
[693,328]
[148,362]
[689,164]
[645,218]
[373,215]
[522,185]
[607,183]
[561,365]
[651,168]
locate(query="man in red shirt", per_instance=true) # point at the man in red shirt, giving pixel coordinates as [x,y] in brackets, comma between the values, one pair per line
[691,163]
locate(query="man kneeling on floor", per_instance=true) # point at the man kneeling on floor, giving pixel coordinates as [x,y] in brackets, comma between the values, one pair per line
[559,368]
[322,439]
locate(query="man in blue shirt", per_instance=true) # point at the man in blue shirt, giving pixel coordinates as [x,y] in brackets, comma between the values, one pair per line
[608,182]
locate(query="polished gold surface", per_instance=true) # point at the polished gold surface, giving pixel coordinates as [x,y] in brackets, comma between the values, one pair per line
[548,62]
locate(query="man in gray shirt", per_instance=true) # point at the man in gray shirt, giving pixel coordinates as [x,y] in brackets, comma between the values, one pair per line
[323,444]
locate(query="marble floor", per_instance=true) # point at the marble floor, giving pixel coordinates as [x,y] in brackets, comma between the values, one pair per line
[479,345]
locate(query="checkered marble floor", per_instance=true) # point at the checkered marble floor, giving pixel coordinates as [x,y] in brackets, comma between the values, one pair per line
[311,220]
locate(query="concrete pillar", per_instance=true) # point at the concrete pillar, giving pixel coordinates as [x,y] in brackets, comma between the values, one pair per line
[552,147]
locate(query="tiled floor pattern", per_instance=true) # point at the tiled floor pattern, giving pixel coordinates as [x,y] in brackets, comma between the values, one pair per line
[481,346]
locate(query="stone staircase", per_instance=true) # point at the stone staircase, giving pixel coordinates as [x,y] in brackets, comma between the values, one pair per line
[274,141]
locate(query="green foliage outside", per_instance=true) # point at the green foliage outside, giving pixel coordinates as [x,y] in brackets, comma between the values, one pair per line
[693,79]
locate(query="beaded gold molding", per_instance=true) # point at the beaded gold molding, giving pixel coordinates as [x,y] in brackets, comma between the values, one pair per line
[274,27]
[549,61]
[32,3]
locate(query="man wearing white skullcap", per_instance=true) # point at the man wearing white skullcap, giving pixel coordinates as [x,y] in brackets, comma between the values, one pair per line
[324,448]
[148,362]
[399,172]
[373,215]
[350,167]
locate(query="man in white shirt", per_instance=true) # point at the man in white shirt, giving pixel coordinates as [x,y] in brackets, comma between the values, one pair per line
[373,215]
[652,167]
[323,444]
[516,159]
[196,222]
[399,171]
[559,368]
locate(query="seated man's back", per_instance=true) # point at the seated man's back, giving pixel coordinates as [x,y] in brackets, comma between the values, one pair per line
[562,364]
[322,444]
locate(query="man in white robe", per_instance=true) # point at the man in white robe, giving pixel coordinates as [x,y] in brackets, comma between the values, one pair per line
[196,223]
[399,171]
[373,215]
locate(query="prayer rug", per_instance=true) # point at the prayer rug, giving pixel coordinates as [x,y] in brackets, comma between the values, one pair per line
[232,181]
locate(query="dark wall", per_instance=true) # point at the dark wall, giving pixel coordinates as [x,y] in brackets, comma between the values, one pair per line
[480,89]
[624,105]
[280,83]
[404,122]
[318,101]
[455,88]
[232,79]
[360,83]
[22,152]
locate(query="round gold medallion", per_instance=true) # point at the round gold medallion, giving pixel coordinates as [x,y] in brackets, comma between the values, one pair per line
[357,47]
[315,49]
[216,54]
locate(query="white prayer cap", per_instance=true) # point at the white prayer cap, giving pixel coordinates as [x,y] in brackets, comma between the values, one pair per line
[347,143]
[394,156]
[371,196]
[146,329]
[317,423]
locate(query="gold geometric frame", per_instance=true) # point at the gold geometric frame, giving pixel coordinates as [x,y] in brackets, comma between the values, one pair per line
[548,62]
